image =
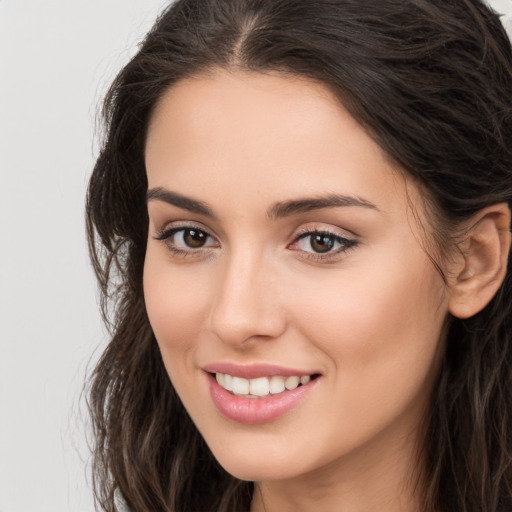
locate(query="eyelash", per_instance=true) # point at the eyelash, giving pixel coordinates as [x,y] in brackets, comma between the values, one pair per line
[166,236]
[345,243]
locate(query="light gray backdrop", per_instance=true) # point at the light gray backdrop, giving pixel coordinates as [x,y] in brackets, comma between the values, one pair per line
[56,59]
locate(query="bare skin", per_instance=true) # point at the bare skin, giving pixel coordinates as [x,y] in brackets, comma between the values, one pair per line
[344,291]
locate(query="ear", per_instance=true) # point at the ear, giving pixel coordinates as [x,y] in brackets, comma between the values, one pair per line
[483,262]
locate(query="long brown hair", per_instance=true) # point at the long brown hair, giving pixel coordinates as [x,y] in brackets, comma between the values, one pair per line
[431,81]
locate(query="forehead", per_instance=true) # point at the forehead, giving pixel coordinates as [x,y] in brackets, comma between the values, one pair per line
[251,135]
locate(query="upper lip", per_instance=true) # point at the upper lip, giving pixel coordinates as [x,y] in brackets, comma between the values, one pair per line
[254,371]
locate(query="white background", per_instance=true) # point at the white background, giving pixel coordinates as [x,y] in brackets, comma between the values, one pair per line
[56,60]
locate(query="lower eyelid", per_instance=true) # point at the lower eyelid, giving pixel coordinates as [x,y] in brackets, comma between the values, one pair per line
[181,250]
[331,256]
[167,235]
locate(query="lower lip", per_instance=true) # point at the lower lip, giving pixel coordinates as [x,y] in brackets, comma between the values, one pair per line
[257,410]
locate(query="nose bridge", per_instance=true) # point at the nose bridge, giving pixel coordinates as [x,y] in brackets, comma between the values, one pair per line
[246,304]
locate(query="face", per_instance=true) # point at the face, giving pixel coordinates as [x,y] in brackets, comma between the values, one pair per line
[297,313]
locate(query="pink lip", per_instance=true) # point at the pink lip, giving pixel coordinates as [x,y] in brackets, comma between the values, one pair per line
[256,410]
[254,371]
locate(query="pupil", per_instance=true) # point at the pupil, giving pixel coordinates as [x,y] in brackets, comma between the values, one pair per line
[194,238]
[322,243]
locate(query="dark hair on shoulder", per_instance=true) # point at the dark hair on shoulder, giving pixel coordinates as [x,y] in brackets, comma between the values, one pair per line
[431,82]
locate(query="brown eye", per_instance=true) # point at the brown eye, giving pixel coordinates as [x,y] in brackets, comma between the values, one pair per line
[322,242]
[187,239]
[322,245]
[194,238]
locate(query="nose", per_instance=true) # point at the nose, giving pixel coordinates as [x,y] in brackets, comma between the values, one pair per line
[247,305]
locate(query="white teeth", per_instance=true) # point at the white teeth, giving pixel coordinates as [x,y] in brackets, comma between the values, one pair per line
[260,387]
[277,385]
[228,382]
[291,382]
[240,386]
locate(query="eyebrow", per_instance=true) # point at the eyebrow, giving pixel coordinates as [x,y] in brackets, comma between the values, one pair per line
[296,206]
[279,210]
[192,205]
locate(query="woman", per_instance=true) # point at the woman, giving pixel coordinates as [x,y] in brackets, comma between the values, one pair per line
[301,219]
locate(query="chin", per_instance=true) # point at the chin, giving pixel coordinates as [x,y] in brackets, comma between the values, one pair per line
[253,462]
[263,470]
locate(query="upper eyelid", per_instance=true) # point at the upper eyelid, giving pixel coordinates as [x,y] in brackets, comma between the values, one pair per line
[347,241]
[166,236]
[322,232]
[178,225]
[331,230]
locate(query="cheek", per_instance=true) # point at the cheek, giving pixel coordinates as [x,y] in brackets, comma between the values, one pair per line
[374,306]
[176,303]
[381,330]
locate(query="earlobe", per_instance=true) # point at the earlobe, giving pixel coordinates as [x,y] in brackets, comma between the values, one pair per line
[483,263]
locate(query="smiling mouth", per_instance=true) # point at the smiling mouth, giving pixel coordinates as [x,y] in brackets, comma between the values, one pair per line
[261,387]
